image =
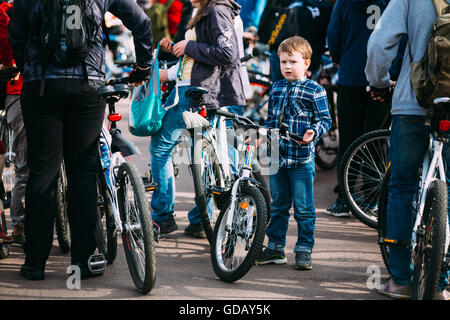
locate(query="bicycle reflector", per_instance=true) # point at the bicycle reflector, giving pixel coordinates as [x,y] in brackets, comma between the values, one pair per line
[444,125]
[113,117]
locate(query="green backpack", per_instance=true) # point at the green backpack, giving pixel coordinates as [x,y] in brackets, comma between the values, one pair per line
[160,22]
[430,78]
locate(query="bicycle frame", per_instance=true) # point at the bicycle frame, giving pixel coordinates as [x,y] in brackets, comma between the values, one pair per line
[432,169]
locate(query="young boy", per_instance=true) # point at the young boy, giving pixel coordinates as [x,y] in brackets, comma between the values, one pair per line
[302,104]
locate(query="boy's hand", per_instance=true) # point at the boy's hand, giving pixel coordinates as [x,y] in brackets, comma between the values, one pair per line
[308,137]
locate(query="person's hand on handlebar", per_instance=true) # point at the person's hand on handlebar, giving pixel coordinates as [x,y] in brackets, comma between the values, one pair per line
[381,94]
[138,75]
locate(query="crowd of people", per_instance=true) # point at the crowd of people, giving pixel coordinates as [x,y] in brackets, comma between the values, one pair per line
[53,100]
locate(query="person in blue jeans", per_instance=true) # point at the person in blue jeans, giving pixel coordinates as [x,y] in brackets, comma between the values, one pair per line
[251,12]
[302,104]
[409,135]
[210,60]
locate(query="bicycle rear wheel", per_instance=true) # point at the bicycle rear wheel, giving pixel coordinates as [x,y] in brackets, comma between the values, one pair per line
[429,252]
[327,150]
[61,220]
[361,173]
[105,233]
[206,173]
[138,239]
[234,251]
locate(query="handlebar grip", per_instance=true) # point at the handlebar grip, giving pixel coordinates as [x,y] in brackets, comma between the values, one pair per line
[295,137]
[225,113]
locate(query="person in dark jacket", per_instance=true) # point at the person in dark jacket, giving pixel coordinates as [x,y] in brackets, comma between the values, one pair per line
[351,25]
[63,117]
[211,60]
[282,19]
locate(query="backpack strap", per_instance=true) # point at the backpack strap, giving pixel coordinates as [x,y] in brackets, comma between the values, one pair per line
[440,6]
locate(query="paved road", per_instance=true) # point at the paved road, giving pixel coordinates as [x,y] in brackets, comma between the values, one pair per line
[344,250]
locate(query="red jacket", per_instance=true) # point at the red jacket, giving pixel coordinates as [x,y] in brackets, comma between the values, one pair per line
[174,15]
[6,54]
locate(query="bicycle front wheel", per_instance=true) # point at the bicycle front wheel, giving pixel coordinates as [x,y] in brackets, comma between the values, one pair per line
[61,220]
[361,172]
[429,252]
[235,249]
[206,173]
[138,240]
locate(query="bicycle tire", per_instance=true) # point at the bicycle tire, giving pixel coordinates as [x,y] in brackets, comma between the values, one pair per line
[326,156]
[264,188]
[361,173]
[223,248]
[4,248]
[8,172]
[430,248]
[382,220]
[204,153]
[105,230]
[62,227]
[137,226]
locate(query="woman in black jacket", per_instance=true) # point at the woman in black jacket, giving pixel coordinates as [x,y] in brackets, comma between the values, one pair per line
[211,60]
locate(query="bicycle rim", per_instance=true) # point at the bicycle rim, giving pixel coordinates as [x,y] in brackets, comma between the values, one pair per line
[137,236]
[364,166]
[235,250]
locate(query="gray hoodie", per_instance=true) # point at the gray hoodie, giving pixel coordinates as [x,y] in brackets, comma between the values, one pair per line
[402,17]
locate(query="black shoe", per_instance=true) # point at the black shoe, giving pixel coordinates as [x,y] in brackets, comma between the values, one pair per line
[168,226]
[268,256]
[32,273]
[195,230]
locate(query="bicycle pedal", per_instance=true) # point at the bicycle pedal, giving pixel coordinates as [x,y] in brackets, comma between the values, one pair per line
[97,263]
[393,242]
[216,190]
[151,186]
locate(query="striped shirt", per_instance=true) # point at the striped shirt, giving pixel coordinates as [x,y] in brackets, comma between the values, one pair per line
[302,105]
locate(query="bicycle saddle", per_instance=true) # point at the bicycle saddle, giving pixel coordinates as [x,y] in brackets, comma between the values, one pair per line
[118,91]
[195,92]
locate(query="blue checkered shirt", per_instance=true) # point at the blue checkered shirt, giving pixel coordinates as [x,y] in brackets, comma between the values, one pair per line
[302,105]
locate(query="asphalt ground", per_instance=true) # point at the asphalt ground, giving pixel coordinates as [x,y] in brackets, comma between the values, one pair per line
[347,264]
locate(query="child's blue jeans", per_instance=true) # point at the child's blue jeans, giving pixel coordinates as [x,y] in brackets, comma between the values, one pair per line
[292,186]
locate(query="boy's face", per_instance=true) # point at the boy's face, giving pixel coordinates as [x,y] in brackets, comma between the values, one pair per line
[293,67]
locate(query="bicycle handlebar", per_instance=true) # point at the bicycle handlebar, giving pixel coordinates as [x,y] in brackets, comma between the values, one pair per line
[124,80]
[284,128]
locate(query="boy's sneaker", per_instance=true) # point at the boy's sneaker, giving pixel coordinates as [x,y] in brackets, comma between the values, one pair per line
[195,230]
[168,226]
[303,261]
[271,256]
[395,291]
[338,209]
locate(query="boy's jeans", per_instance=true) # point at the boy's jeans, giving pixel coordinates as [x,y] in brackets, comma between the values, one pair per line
[292,186]
[409,140]
[161,148]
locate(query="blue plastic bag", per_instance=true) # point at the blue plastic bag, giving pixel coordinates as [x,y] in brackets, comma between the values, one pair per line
[146,111]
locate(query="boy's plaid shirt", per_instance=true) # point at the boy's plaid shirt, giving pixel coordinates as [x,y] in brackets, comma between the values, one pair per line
[302,105]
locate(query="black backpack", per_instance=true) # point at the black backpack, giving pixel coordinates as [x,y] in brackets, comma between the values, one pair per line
[67,32]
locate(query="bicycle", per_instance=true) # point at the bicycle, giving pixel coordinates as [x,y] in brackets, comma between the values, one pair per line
[361,172]
[240,228]
[430,237]
[123,207]
[210,165]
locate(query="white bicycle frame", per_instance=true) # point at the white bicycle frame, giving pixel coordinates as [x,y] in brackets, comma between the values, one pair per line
[116,160]
[432,169]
